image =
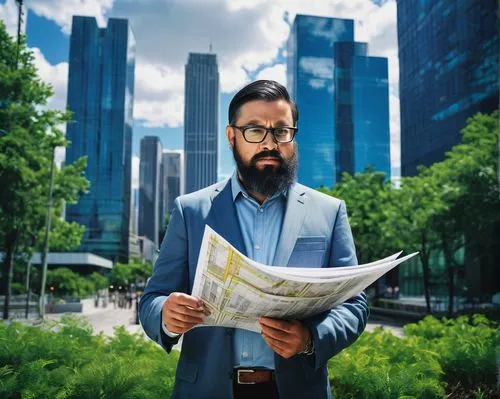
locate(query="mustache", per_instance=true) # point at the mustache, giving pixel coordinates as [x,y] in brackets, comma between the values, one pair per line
[268,154]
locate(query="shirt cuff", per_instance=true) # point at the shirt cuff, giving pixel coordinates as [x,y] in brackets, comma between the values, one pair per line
[165,330]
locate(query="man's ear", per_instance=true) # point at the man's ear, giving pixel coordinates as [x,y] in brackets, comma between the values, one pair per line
[230,135]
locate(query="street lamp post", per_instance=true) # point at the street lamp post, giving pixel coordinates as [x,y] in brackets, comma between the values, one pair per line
[19,23]
[46,239]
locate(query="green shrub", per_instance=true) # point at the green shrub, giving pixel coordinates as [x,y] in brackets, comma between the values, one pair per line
[65,360]
[380,365]
[467,348]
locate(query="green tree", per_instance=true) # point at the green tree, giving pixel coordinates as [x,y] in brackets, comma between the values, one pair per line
[367,195]
[66,282]
[409,221]
[100,282]
[125,274]
[470,191]
[26,151]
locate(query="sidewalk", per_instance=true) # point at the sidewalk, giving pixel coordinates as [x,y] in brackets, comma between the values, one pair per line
[105,319]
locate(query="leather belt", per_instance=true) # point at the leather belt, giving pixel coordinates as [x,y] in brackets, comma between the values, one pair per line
[253,376]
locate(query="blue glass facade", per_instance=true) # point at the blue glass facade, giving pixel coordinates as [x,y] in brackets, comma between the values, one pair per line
[100,95]
[201,115]
[172,167]
[371,115]
[150,221]
[448,56]
[337,88]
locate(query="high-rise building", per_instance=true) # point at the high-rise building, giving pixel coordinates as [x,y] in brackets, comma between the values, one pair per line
[100,95]
[201,115]
[149,188]
[449,65]
[361,98]
[343,98]
[172,179]
[134,215]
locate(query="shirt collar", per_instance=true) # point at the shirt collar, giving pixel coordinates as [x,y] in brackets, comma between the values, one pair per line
[237,188]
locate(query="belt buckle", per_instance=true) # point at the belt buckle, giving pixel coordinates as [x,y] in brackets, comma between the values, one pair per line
[241,372]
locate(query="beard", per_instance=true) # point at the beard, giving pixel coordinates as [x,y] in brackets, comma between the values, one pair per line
[270,179]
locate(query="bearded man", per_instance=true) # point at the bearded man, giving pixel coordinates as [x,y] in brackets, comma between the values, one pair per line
[263,212]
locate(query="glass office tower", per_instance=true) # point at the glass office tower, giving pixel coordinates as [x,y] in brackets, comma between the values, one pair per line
[100,95]
[343,101]
[370,87]
[172,179]
[449,65]
[201,116]
[150,221]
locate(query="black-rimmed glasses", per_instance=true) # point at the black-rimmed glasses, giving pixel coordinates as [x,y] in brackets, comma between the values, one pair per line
[257,134]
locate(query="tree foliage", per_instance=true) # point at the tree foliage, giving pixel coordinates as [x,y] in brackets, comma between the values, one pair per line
[30,134]
[124,274]
[451,206]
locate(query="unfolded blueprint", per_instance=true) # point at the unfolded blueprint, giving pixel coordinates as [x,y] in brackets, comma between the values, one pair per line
[237,290]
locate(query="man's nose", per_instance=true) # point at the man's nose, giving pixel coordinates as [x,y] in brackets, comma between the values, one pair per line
[269,142]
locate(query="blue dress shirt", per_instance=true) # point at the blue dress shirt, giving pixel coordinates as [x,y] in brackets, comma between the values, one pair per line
[261,229]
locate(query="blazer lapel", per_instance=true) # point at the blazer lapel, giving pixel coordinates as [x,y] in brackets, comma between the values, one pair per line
[294,217]
[223,218]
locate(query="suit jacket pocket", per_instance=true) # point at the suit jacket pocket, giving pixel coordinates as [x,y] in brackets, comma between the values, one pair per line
[308,252]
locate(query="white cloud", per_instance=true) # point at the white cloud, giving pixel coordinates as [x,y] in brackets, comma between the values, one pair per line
[60,156]
[62,14]
[9,15]
[56,75]
[159,95]
[276,72]
[135,171]
[318,67]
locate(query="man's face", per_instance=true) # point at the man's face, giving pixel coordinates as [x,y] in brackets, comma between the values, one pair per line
[265,167]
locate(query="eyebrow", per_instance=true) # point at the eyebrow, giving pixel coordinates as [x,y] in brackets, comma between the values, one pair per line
[258,122]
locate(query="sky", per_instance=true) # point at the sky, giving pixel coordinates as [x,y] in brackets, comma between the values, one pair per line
[248,36]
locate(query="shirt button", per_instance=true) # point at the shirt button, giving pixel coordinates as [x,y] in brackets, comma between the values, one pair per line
[257,247]
[245,354]
[261,210]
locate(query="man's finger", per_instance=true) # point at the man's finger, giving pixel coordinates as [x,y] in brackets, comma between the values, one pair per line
[279,335]
[280,350]
[275,345]
[177,327]
[188,300]
[277,324]
[186,318]
[187,311]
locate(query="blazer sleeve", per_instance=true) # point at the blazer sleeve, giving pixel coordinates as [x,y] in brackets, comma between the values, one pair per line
[170,274]
[338,328]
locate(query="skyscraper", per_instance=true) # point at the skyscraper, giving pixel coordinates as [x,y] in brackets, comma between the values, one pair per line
[343,98]
[172,179]
[361,99]
[149,188]
[100,95]
[448,58]
[201,115]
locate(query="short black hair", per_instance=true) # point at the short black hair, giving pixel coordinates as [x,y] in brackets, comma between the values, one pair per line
[267,90]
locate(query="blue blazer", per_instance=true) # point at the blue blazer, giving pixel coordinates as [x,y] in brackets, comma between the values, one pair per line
[315,233]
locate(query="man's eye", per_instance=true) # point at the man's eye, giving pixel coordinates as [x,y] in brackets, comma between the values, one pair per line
[256,130]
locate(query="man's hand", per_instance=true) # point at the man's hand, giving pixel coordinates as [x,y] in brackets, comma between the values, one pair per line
[181,312]
[286,338]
